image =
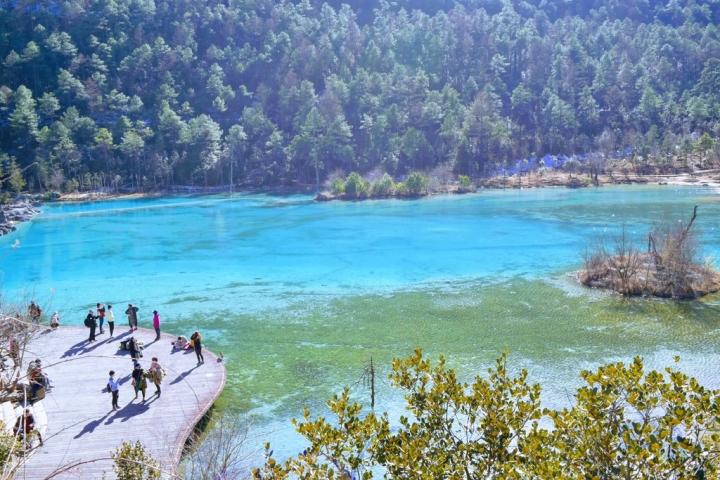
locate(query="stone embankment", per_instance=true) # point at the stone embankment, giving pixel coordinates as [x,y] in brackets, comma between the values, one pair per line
[22,209]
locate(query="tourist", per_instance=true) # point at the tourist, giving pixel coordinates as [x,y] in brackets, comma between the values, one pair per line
[54,320]
[181,343]
[92,325]
[34,312]
[114,385]
[110,319]
[131,312]
[101,316]
[37,382]
[156,324]
[156,371]
[14,350]
[134,348]
[26,424]
[139,381]
[196,338]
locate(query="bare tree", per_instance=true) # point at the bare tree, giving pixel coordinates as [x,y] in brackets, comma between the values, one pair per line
[606,143]
[444,174]
[625,260]
[221,450]
[614,264]
[674,248]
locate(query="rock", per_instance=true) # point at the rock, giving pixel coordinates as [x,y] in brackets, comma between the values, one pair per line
[22,209]
[324,197]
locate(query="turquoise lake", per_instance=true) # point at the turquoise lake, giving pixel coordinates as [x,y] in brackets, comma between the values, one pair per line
[299,295]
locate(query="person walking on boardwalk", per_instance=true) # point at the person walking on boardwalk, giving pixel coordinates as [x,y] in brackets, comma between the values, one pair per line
[156,373]
[34,312]
[114,385]
[197,345]
[92,325]
[131,312]
[110,319]
[101,316]
[139,381]
[156,324]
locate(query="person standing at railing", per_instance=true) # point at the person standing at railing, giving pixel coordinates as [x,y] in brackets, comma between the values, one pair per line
[156,324]
[110,319]
[101,316]
[131,312]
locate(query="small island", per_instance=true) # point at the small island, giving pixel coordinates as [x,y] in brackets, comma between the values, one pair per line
[670,268]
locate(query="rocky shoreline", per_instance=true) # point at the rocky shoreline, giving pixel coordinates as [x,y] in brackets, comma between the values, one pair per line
[22,209]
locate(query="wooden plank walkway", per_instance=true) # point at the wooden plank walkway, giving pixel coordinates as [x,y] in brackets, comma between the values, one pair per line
[81,423]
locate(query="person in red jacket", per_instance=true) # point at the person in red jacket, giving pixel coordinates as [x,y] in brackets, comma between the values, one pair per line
[101,316]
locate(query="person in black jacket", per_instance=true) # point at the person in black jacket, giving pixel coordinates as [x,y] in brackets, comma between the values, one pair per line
[131,312]
[139,382]
[134,348]
[196,340]
[90,322]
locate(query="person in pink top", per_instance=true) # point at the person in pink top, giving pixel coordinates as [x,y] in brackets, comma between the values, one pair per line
[156,324]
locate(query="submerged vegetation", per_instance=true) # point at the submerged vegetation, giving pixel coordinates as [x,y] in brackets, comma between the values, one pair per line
[147,94]
[669,268]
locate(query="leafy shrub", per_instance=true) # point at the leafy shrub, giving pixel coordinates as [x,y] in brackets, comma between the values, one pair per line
[338,186]
[5,198]
[416,184]
[133,463]
[355,186]
[383,187]
[8,445]
[50,196]
[622,423]
[464,183]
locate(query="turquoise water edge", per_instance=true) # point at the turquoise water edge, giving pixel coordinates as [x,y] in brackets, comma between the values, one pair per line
[299,295]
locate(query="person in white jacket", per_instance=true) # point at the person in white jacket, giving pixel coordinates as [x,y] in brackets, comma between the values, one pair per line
[110,317]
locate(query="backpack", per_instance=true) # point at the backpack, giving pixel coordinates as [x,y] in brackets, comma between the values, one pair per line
[88,322]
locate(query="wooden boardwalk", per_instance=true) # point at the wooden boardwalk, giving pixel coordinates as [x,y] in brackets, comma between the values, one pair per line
[81,423]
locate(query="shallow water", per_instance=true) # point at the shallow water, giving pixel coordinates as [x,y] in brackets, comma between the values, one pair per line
[299,295]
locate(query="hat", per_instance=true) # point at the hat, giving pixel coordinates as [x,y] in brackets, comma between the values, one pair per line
[137,364]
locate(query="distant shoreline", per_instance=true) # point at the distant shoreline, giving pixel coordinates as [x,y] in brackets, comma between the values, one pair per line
[552,179]
[560,179]
[199,191]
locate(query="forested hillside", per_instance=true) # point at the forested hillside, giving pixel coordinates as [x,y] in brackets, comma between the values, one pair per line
[152,93]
